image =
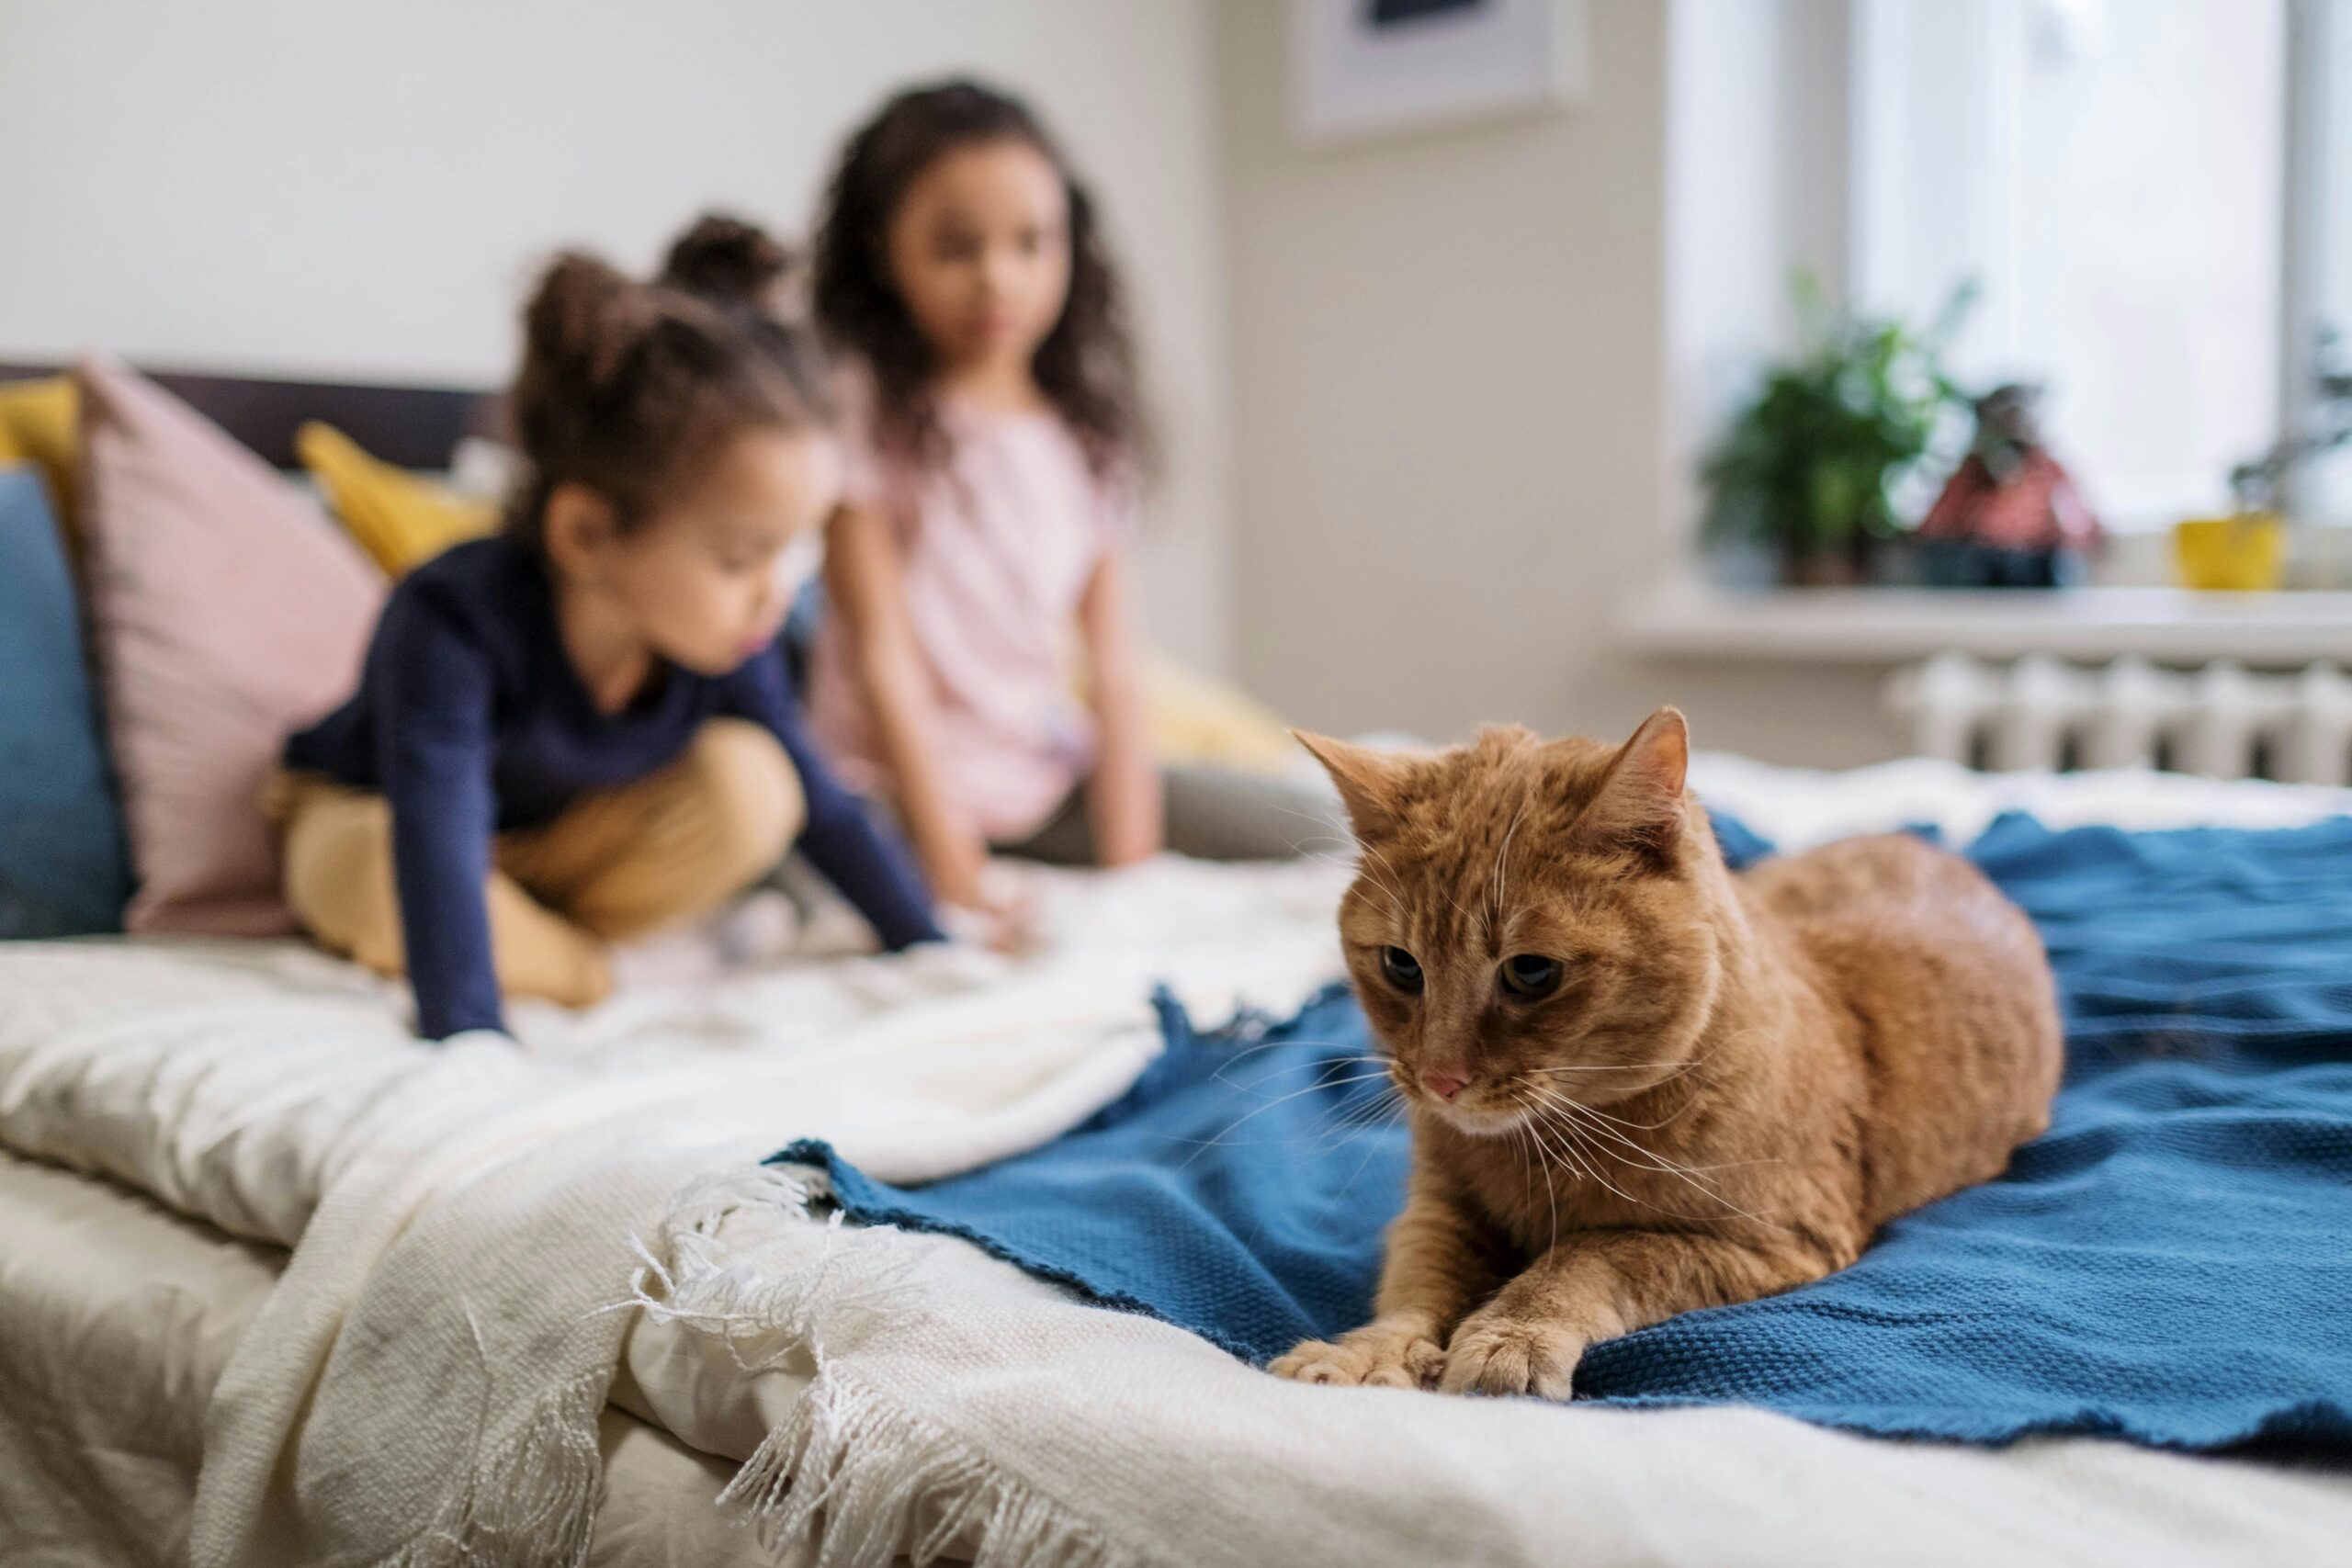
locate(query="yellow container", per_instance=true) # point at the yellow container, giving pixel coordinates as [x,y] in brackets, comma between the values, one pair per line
[2244,553]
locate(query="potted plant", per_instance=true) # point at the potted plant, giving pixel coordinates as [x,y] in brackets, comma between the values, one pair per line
[1809,467]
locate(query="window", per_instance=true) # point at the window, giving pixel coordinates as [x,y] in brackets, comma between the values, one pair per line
[2116,176]
[2320,239]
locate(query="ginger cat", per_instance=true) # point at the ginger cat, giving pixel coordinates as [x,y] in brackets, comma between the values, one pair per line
[1637,1083]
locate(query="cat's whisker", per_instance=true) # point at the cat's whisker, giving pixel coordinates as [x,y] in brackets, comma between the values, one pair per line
[1620,1121]
[1397,898]
[1269,1043]
[1359,1114]
[1379,1113]
[1589,1159]
[1373,851]
[1696,1063]
[1364,850]
[1354,1175]
[1705,1060]
[1306,851]
[1387,889]
[1311,849]
[1697,1091]
[1501,883]
[1392,887]
[1198,1146]
[1520,1146]
[1597,1120]
[1358,1119]
[1669,1167]
[1649,1160]
[1238,1054]
[1365,1108]
[1356,866]
[1562,1151]
[1685,1069]
[1321,1084]
[1319,821]
[1550,1194]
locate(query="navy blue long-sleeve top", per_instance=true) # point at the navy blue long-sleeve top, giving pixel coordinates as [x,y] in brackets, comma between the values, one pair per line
[471,719]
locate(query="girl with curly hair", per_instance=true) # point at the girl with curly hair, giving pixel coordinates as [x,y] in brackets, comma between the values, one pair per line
[999,440]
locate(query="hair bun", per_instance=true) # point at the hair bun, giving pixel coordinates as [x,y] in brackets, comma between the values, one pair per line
[728,261]
[584,319]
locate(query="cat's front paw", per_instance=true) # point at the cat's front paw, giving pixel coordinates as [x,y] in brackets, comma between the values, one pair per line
[1377,1355]
[1511,1355]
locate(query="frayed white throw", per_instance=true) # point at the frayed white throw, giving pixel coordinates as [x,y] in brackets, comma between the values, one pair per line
[421,1388]
[961,1409]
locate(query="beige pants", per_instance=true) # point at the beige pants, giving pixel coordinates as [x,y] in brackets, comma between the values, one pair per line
[674,845]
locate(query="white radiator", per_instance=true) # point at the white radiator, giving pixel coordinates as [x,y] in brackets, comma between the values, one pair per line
[2222,720]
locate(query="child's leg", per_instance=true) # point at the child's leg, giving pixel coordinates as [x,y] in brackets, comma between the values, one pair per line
[673,846]
[1220,814]
[339,882]
[1211,814]
[1067,838]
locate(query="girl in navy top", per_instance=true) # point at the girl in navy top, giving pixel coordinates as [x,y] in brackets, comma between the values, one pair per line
[577,731]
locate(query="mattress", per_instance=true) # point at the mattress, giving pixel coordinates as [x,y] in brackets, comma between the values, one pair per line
[116,1316]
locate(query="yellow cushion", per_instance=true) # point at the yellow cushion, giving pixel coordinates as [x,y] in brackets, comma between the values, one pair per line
[39,424]
[1197,720]
[398,518]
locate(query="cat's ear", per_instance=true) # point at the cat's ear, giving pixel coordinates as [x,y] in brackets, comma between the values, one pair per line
[1367,778]
[1640,798]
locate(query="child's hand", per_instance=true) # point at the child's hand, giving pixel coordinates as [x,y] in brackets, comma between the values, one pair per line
[1001,914]
[958,865]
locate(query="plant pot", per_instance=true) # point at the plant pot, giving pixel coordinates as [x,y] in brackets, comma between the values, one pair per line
[1823,569]
[2244,553]
[1955,563]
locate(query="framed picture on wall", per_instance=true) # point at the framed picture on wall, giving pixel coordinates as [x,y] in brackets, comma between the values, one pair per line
[1362,68]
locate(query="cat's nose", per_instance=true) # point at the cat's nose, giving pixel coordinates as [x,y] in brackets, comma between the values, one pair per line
[1442,1085]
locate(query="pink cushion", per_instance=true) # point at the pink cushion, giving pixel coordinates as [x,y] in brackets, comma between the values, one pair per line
[227,611]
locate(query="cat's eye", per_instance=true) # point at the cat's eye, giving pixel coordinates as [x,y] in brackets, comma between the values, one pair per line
[1400,969]
[1531,975]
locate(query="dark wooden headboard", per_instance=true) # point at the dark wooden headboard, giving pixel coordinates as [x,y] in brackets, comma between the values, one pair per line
[416,427]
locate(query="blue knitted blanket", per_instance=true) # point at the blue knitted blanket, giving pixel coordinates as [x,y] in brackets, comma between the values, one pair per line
[2172,1263]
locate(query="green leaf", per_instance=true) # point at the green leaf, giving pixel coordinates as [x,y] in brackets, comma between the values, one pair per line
[1815,456]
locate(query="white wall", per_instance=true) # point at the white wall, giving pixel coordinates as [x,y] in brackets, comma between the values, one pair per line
[361,191]
[1471,367]
[1446,392]
[1755,191]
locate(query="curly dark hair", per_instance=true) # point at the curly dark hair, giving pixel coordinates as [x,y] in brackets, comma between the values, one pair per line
[1086,367]
[738,267]
[627,386]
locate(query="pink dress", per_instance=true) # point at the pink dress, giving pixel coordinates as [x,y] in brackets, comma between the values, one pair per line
[996,546]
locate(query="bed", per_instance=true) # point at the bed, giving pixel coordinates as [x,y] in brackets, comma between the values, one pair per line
[119,1315]
[277,1282]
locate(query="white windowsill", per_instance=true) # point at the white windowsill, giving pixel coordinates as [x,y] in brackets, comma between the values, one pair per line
[1687,619]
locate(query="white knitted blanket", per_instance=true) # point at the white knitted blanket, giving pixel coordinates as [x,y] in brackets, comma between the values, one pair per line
[473,1220]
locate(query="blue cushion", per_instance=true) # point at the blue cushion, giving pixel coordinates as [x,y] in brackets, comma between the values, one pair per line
[63,867]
